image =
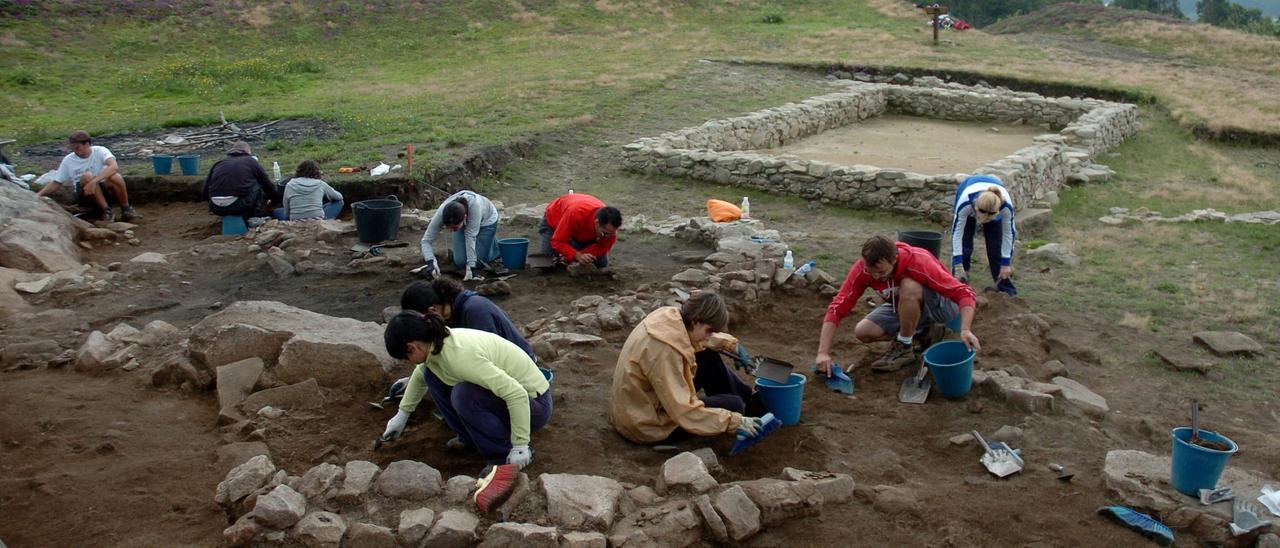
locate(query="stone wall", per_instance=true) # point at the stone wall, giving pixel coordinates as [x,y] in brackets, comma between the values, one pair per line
[731,151]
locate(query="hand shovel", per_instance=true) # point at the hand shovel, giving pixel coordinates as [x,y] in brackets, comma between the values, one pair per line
[915,389]
[839,381]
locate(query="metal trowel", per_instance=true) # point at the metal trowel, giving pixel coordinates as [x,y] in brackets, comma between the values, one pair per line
[915,389]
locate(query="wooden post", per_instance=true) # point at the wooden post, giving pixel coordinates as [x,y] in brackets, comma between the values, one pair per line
[935,29]
[934,11]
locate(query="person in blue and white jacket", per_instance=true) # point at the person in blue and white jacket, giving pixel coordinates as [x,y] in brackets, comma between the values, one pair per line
[982,199]
[474,222]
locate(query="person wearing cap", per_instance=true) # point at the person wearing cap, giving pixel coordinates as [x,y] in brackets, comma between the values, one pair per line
[92,172]
[580,229]
[237,184]
[983,200]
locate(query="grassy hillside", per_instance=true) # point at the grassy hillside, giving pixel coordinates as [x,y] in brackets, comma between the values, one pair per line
[480,71]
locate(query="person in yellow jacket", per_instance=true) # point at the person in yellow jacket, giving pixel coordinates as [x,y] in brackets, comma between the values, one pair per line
[489,390]
[665,361]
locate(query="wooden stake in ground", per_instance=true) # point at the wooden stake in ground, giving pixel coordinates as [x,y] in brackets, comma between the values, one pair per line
[934,11]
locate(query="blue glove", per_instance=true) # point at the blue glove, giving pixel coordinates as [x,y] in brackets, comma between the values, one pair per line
[743,358]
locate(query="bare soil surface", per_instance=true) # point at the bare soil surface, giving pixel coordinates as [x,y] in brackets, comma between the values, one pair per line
[911,143]
[108,460]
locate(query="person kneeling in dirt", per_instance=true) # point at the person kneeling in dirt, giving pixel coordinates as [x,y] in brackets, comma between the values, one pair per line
[917,290]
[237,184]
[474,222]
[579,228]
[983,200]
[461,307]
[489,391]
[666,360]
[305,196]
[95,177]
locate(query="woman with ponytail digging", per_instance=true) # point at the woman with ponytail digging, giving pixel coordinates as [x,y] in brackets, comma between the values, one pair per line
[474,222]
[489,390]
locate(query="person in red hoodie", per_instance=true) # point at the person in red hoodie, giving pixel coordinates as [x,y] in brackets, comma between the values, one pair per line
[580,228]
[916,288]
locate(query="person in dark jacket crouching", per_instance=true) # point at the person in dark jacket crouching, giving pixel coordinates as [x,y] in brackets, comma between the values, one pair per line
[237,185]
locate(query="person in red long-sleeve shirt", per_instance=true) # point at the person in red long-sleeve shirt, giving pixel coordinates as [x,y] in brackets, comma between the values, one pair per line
[580,228]
[917,289]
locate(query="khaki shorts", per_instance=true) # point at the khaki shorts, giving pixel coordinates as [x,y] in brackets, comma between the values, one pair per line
[937,309]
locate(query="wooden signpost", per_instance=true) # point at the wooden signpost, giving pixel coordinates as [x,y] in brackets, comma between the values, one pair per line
[934,11]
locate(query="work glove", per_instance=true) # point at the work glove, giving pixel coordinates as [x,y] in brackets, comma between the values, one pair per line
[468,276]
[430,271]
[395,426]
[721,341]
[750,427]
[520,455]
[960,274]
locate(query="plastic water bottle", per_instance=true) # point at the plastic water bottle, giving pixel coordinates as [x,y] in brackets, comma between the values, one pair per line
[275,169]
[789,262]
[746,208]
[805,268]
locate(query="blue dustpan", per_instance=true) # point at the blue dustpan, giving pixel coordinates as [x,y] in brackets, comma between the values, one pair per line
[767,425]
[1139,522]
[838,381]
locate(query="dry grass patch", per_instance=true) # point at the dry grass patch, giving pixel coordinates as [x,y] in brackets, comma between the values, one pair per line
[1140,322]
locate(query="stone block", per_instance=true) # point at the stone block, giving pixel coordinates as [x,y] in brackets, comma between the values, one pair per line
[411,480]
[780,501]
[833,487]
[320,530]
[674,523]
[414,525]
[520,535]
[303,395]
[368,535]
[685,473]
[281,508]
[1079,395]
[357,477]
[580,502]
[741,516]
[454,528]
[244,479]
[320,479]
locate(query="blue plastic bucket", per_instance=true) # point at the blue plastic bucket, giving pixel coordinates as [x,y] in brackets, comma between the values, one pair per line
[513,252]
[162,164]
[1194,467]
[189,163]
[951,363]
[783,400]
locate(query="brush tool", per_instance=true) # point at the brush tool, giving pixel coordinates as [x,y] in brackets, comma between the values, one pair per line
[496,487]
[767,425]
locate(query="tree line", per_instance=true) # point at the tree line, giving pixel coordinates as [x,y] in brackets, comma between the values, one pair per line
[1222,13]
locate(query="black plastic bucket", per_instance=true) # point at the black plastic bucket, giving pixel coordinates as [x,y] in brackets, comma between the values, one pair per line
[924,239]
[377,220]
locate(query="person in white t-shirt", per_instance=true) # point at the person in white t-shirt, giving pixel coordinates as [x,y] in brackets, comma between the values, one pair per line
[95,177]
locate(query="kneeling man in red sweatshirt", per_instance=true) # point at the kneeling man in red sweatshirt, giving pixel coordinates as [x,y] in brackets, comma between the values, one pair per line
[919,294]
[580,229]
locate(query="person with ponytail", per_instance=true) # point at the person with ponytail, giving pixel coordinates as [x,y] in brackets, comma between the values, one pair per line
[461,307]
[474,222]
[489,391]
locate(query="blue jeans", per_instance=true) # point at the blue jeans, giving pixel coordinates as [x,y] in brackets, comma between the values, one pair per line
[331,211]
[486,245]
[994,237]
[480,418]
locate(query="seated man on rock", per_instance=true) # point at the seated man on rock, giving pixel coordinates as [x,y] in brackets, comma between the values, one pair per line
[95,177]
[666,360]
[579,228]
[917,290]
[237,184]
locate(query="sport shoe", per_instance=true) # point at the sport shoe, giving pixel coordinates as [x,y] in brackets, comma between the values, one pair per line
[108,215]
[129,214]
[458,445]
[931,335]
[898,356]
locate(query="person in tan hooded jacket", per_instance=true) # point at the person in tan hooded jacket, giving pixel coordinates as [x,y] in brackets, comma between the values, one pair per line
[665,361]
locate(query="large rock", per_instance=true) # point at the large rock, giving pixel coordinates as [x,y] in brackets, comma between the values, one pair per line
[303,395]
[712,520]
[833,487]
[1089,402]
[1227,343]
[454,528]
[1057,253]
[367,535]
[741,516]
[29,354]
[10,300]
[520,535]
[235,382]
[281,508]
[357,478]
[150,257]
[337,352]
[673,524]
[780,501]
[94,353]
[244,479]
[35,236]
[242,532]
[414,525]
[320,530]
[408,479]
[583,539]
[1141,480]
[580,502]
[319,479]
[686,473]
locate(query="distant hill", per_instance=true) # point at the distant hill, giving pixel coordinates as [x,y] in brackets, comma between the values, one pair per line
[1067,17]
[1269,7]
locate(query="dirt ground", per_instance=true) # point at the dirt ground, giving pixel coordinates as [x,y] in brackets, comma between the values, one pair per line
[920,145]
[107,460]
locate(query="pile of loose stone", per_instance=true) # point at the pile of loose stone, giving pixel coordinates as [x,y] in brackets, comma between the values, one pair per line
[1119,216]
[411,504]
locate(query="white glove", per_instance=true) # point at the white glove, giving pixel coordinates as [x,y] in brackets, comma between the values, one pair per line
[750,427]
[468,276]
[395,426]
[520,455]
